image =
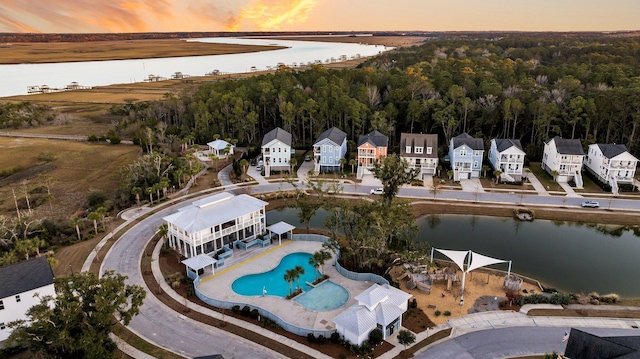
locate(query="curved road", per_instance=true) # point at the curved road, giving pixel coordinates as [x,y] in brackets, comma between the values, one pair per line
[169,329]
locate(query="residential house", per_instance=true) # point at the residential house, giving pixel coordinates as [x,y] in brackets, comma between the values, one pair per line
[507,156]
[371,147]
[420,151]
[466,154]
[22,285]
[218,148]
[563,159]
[379,307]
[211,223]
[611,164]
[276,151]
[589,343]
[329,149]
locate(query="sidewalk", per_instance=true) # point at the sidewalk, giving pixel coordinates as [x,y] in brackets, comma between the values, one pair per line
[536,184]
[570,192]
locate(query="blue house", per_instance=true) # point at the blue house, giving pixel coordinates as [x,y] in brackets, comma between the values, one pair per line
[465,154]
[330,147]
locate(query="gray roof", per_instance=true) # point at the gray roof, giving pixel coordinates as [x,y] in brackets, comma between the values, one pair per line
[566,146]
[612,150]
[277,134]
[216,209]
[465,139]
[219,144]
[25,276]
[334,134]
[589,345]
[375,138]
[418,140]
[504,144]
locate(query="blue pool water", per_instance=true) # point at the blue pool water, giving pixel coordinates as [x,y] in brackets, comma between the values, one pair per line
[273,281]
[324,297]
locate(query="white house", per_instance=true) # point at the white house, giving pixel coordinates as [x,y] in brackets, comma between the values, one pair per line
[380,306]
[329,149]
[207,225]
[507,156]
[21,285]
[276,151]
[420,151]
[565,157]
[218,147]
[611,164]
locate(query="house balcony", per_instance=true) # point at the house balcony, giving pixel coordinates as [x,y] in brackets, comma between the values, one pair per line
[266,151]
[317,150]
[507,159]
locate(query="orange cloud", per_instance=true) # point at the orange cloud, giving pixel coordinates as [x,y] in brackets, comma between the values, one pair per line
[270,14]
[150,15]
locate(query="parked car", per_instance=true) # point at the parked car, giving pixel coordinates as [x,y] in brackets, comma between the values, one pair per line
[259,167]
[378,190]
[307,158]
[253,162]
[591,204]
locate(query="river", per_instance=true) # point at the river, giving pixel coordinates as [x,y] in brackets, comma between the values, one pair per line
[17,78]
[572,257]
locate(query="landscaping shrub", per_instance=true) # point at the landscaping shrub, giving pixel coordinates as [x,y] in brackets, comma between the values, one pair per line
[335,337]
[321,339]
[254,314]
[437,313]
[561,298]
[246,311]
[375,337]
[610,298]
[235,308]
[447,313]
[311,338]
[414,303]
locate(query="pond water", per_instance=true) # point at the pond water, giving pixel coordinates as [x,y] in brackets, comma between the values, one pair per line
[571,257]
[16,78]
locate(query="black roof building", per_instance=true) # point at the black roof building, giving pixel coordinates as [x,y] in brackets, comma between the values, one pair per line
[25,276]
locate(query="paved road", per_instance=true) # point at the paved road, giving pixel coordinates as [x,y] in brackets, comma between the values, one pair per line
[506,342]
[157,322]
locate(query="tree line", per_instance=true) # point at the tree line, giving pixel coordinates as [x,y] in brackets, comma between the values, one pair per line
[517,87]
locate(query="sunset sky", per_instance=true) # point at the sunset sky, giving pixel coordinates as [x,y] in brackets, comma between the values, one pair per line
[321,15]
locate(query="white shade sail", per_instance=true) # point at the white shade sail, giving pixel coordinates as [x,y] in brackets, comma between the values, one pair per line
[456,256]
[478,260]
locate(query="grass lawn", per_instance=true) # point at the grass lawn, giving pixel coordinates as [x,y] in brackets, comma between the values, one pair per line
[544,178]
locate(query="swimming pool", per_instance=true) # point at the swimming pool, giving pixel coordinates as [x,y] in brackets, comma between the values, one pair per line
[273,281]
[326,296]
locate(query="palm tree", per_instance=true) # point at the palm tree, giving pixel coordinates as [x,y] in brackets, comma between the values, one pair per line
[555,174]
[244,165]
[352,163]
[292,164]
[213,157]
[318,259]
[136,192]
[150,193]
[439,168]
[299,271]
[93,216]
[485,168]
[163,230]
[343,161]
[289,277]
[77,222]
[497,174]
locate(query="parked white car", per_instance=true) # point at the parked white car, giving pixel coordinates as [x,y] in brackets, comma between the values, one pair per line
[378,190]
[591,204]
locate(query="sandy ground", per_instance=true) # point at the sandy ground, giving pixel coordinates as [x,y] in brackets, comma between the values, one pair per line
[478,295]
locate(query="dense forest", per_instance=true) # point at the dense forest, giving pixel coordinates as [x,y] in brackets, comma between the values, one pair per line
[514,87]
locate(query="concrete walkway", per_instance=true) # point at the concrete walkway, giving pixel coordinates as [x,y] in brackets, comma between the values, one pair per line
[567,188]
[536,184]
[472,185]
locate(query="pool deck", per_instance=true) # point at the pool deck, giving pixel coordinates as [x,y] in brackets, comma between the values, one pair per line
[258,260]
